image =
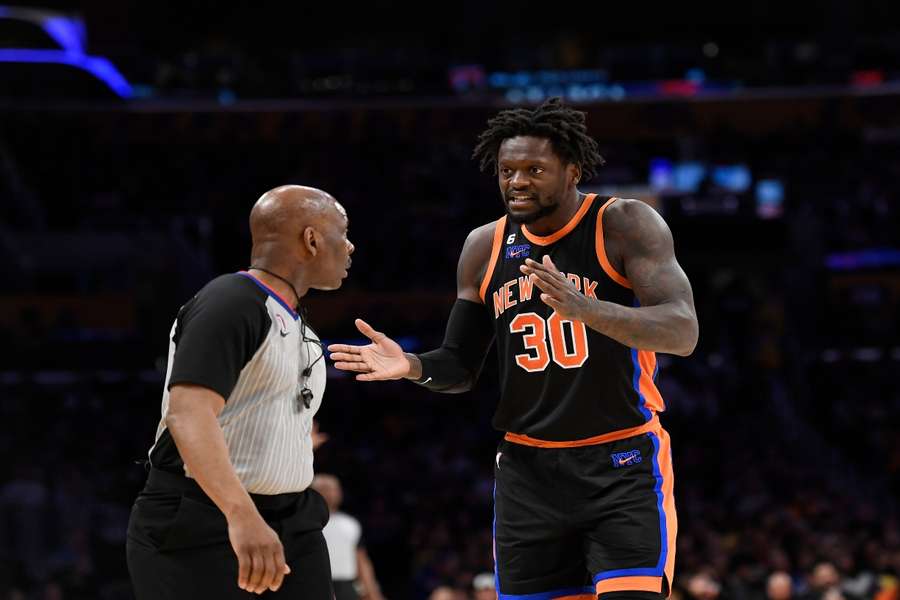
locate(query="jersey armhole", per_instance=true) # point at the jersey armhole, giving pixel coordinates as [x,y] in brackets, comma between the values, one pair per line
[601,249]
[495,252]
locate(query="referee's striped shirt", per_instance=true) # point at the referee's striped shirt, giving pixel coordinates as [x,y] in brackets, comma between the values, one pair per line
[240,339]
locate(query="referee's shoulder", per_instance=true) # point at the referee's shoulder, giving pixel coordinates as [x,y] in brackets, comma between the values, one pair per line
[232,290]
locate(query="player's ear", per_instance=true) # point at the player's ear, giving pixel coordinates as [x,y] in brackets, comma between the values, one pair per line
[574,173]
[311,240]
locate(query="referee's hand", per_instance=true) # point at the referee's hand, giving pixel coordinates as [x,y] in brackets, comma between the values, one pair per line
[260,554]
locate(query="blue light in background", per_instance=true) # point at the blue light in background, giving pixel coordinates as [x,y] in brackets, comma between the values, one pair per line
[68,33]
[97,66]
[660,173]
[863,259]
[734,178]
[769,198]
[687,176]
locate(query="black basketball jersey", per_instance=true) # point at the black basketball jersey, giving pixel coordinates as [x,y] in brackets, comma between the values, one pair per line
[560,380]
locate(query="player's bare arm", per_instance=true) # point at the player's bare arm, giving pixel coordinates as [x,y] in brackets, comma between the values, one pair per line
[640,246]
[383,358]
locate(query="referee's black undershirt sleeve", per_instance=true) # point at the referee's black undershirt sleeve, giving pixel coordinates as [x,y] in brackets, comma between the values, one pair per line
[455,366]
[218,332]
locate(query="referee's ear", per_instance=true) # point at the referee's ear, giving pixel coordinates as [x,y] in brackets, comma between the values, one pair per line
[312,240]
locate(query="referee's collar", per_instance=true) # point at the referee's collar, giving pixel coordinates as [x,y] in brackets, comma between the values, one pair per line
[271,292]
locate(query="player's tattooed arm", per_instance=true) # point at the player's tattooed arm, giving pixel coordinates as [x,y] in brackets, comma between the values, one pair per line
[639,245]
[666,320]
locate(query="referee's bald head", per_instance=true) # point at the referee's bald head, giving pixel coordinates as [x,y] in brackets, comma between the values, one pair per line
[297,228]
[287,207]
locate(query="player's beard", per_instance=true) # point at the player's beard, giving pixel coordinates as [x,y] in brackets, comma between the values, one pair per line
[526,219]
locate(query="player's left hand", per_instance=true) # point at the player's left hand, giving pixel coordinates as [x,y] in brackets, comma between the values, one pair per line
[558,292]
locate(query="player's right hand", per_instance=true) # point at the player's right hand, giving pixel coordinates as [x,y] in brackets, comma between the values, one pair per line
[380,360]
[261,562]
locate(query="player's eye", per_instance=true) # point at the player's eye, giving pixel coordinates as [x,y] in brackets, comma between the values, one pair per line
[536,170]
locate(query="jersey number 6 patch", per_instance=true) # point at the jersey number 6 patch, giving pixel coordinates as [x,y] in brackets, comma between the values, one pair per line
[567,353]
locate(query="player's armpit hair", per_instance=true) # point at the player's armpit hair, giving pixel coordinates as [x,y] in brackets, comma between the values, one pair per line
[455,366]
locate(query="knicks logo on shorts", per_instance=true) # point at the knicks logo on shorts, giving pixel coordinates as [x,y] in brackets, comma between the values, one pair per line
[625,459]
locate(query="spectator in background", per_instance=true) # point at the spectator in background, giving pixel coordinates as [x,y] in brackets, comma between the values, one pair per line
[351,569]
[702,586]
[825,583]
[445,592]
[779,586]
[484,587]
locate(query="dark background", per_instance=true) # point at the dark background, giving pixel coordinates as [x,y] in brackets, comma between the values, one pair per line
[116,210]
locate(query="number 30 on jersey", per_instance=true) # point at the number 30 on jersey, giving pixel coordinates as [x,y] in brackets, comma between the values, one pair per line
[568,351]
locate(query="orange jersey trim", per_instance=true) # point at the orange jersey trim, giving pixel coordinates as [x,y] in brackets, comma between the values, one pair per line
[630,584]
[495,252]
[601,249]
[664,460]
[653,583]
[573,222]
[621,434]
[653,399]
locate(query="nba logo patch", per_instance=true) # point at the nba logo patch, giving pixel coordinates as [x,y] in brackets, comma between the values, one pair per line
[518,251]
[625,459]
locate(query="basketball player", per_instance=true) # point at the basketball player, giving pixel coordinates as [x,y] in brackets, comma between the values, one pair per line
[581,292]
[227,509]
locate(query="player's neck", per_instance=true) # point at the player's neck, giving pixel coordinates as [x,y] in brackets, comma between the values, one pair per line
[559,218]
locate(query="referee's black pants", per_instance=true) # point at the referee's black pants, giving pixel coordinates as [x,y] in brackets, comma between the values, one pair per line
[178,545]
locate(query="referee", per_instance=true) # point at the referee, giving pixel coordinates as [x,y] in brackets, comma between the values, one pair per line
[227,510]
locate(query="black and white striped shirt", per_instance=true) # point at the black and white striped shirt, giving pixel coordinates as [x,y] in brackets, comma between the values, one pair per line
[237,337]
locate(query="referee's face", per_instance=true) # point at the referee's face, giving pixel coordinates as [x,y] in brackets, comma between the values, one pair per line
[333,261]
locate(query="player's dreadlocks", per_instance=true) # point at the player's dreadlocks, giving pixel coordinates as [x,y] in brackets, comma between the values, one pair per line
[563,126]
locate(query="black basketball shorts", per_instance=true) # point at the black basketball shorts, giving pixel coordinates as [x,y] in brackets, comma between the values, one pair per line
[581,520]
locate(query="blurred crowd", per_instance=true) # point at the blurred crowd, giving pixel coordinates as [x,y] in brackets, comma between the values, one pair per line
[783,422]
[770,506]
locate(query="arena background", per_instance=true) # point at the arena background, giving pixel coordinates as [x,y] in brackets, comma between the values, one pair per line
[135,136]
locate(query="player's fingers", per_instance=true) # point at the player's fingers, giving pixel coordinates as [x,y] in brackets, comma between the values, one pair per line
[368,331]
[369,377]
[550,300]
[539,270]
[542,266]
[244,564]
[534,265]
[356,367]
[345,357]
[548,262]
[345,348]
[545,282]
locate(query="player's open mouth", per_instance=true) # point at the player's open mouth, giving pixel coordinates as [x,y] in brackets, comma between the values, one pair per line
[520,201]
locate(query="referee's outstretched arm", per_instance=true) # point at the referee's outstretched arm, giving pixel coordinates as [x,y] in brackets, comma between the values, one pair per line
[192,422]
